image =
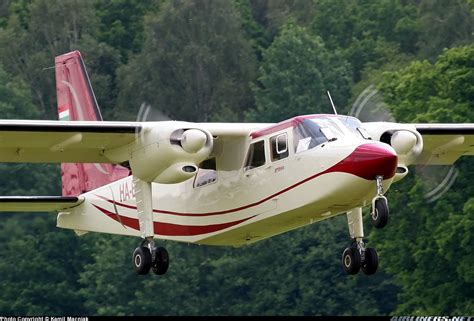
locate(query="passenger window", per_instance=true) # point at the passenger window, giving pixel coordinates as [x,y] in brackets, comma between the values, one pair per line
[207,173]
[279,147]
[256,155]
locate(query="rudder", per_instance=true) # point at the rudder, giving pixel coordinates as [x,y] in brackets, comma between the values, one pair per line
[76,102]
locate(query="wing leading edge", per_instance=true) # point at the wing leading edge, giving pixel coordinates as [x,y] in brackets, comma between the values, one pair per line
[443,144]
[25,141]
[38,203]
[63,142]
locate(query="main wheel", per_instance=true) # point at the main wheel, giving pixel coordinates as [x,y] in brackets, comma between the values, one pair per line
[142,260]
[380,213]
[162,261]
[351,260]
[371,261]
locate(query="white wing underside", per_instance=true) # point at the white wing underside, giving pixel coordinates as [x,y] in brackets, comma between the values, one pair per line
[26,141]
[443,144]
[37,203]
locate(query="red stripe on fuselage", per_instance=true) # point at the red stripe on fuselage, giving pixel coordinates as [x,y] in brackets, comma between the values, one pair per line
[169,229]
[366,161]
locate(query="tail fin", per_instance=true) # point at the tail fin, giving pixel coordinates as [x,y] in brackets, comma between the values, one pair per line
[76,101]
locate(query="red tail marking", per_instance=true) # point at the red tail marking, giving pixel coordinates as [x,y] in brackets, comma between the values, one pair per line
[76,101]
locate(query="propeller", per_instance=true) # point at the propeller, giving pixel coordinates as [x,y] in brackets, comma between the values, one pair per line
[157,159]
[436,179]
[147,113]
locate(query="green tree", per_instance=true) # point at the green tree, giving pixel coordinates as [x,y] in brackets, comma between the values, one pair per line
[195,64]
[37,31]
[361,28]
[444,24]
[255,32]
[295,74]
[121,24]
[429,258]
[15,101]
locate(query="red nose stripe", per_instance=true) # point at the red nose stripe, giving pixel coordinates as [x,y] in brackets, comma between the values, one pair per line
[368,161]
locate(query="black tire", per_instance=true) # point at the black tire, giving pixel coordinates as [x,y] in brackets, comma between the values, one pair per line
[371,261]
[142,260]
[351,260]
[380,216]
[162,261]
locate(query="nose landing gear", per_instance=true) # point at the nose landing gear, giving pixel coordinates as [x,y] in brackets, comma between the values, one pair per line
[379,213]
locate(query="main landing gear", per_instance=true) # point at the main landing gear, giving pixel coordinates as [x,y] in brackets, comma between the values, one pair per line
[357,256]
[147,256]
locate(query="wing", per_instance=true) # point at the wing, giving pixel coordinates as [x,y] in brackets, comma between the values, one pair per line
[26,141]
[443,144]
[232,129]
[37,203]
[63,142]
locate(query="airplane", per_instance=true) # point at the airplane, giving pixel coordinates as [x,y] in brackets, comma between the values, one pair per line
[219,184]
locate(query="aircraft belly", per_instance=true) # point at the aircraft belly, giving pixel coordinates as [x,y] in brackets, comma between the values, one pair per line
[326,196]
[251,213]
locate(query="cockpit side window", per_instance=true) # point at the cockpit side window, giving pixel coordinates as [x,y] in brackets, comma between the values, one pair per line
[207,173]
[255,155]
[307,135]
[279,146]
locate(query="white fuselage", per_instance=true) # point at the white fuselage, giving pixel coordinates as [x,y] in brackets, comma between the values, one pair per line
[241,206]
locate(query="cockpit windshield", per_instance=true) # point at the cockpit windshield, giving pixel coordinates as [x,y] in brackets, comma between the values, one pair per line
[315,131]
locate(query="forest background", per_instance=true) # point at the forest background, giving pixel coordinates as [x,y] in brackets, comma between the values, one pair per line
[233,61]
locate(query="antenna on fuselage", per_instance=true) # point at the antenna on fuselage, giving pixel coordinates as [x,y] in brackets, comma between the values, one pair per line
[332,103]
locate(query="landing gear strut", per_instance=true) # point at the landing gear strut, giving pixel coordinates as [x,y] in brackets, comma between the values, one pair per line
[147,256]
[379,213]
[357,256]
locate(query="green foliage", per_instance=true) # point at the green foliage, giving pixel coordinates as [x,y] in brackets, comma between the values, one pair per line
[255,32]
[441,92]
[359,28]
[433,249]
[295,74]
[444,24]
[285,275]
[195,62]
[121,24]
[15,98]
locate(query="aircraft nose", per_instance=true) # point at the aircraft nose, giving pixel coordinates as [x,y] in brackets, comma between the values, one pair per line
[371,160]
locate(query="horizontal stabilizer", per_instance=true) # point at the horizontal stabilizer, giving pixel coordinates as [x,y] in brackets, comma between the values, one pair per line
[37,203]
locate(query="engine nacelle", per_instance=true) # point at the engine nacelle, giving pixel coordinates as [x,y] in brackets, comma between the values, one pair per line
[404,139]
[169,152]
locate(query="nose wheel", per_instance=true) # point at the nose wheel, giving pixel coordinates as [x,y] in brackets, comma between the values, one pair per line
[379,213]
[148,257]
